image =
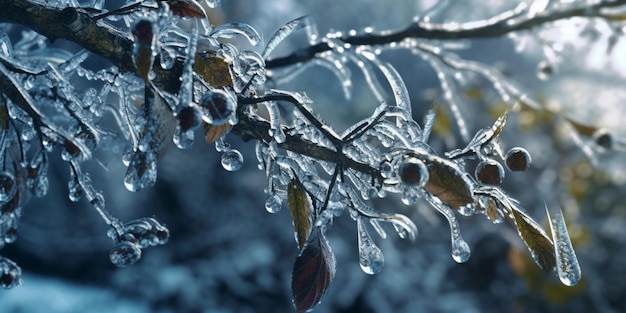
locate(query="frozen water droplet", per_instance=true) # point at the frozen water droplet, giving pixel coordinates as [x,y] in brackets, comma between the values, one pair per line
[167,59]
[567,265]
[217,107]
[212,3]
[413,172]
[7,186]
[544,70]
[125,253]
[141,172]
[232,160]
[370,257]
[386,170]
[183,139]
[273,203]
[460,249]
[10,273]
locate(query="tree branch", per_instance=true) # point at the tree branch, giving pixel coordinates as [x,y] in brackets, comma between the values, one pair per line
[420,30]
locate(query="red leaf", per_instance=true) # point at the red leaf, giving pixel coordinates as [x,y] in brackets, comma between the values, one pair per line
[313,271]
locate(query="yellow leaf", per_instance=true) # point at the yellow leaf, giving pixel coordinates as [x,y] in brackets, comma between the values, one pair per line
[539,244]
[213,69]
[300,207]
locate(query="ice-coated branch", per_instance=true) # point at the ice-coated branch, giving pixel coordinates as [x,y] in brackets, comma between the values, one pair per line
[505,23]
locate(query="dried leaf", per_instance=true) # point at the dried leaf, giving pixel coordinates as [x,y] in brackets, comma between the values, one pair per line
[539,244]
[313,271]
[300,208]
[143,33]
[186,9]
[448,185]
[213,132]
[213,69]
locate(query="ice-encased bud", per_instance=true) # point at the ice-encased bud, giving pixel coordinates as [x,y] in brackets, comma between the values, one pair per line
[490,172]
[518,159]
[413,172]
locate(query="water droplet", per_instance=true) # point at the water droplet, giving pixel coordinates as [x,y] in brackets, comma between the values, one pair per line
[141,172]
[217,107]
[567,265]
[273,203]
[386,170]
[490,172]
[7,186]
[370,257]
[125,253]
[544,70]
[183,139]
[413,172]
[10,273]
[232,160]
[518,159]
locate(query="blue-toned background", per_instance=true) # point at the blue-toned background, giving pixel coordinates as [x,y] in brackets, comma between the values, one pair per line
[227,254]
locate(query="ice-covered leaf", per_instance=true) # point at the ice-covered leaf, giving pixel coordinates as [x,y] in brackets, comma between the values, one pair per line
[213,69]
[448,184]
[300,207]
[539,244]
[313,271]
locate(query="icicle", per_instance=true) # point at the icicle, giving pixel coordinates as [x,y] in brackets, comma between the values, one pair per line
[142,171]
[229,30]
[10,273]
[273,203]
[340,70]
[460,249]
[370,257]
[429,121]
[567,265]
[6,49]
[212,3]
[400,93]
[283,32]
[276,130]
[368,73]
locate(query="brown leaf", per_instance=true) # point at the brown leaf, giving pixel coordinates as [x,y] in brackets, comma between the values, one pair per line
[186,9]
[143,33]
[213,69]
[213,132]
[539,244]
[313,271]
[300,207]
[448,184]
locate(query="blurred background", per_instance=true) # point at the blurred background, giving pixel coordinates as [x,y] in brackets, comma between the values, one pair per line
[227,254]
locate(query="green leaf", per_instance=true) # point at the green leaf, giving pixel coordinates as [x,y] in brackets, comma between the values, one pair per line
[536,239]
[300,207]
